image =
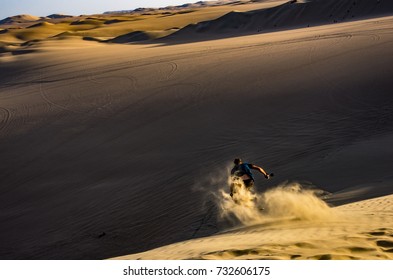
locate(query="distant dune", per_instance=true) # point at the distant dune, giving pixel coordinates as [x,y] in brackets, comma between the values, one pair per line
[19,19]
[120,27]
[198,4]
[131,37]
[41,24]
[293,14]
[57,16]
[197,21]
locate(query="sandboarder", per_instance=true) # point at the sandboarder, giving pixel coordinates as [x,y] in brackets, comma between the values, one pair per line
[242,171]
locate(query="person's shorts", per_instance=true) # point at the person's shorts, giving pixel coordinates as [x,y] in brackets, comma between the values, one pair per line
[248,183]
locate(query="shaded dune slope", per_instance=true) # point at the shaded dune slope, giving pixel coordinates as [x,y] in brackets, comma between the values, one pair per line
[293,14]
[131,37]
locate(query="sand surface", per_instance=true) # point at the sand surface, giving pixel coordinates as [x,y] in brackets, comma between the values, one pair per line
[114,149]
[361,230]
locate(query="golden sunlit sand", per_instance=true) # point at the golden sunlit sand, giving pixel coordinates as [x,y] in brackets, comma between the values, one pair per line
[116,140]
[155,23]
[361,230]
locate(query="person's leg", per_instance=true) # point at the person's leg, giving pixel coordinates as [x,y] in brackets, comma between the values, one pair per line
[235,185]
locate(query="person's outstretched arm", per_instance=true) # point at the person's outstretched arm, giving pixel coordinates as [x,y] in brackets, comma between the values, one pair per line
[260,169]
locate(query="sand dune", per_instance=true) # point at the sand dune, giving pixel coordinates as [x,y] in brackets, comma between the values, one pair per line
[19,19]
[117,149]
[41,24]
[154,23]
[292,14]
[57,16]
[131,37]
[361,230]
[204,20]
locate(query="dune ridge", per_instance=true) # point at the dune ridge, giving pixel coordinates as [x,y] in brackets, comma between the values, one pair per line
[198,4]
[199,21]
[292,14]
[361,230]
[19,19]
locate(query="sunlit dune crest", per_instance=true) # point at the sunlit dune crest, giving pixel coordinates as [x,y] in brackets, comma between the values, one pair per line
[203,20]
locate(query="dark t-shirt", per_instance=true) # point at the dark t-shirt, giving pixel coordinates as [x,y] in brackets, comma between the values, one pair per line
[242,169]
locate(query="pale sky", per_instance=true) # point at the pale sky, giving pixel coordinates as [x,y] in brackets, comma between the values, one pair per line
[77,7]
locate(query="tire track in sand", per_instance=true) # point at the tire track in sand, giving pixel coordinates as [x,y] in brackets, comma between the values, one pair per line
[5,120]
[168,74]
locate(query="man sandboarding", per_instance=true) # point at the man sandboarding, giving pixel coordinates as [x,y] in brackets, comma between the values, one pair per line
[241,173]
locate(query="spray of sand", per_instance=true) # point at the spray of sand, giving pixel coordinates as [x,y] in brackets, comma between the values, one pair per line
[286,201]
